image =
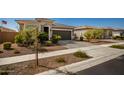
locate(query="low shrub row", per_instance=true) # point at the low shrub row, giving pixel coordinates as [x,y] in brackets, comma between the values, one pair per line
[27,39]
[118,46]
[118,37]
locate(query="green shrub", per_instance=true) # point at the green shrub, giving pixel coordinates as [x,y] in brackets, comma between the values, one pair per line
[94,34]
[7,45]
[16,51]
[88,35]
[81,54]
[43,37]
[60,60]
[118,37]
[27,36]
[118,46]
[56,38]
[48,43]
[4,73]
[19,39]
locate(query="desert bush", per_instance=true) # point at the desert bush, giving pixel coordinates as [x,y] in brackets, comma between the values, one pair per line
[88,35]
[43,37]
[97,33]
[27,36]
[7,45]
[56,38]
[48,43]
[19,39]
[60,60]
[94,34]
[118,46]
[80,54]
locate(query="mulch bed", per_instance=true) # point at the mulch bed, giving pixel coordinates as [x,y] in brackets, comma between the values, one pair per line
[29,67]
[25,50]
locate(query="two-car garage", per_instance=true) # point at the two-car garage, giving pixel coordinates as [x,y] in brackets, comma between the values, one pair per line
[66,35]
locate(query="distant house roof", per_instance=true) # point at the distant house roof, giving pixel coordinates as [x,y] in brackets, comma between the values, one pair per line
[58,25]
[92,27]
[4,29]
[85,27]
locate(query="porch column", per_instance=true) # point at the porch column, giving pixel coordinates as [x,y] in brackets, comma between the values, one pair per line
[39,27]
[49,33]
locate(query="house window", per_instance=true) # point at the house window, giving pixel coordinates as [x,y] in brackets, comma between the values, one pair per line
[46,29]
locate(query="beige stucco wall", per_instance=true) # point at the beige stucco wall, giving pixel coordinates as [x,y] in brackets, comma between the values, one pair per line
[116,33]
[79,32]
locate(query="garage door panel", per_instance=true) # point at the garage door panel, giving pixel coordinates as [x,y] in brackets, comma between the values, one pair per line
[66,35]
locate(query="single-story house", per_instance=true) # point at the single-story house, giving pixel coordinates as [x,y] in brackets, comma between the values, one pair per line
[65,31]
[108,32]
[48,26]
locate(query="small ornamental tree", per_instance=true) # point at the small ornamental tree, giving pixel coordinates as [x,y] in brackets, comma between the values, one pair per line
[27,36]
[94,34]
[97,33]
[88,35]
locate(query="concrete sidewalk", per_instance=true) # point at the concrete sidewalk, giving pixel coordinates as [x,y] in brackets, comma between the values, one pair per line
[17,59]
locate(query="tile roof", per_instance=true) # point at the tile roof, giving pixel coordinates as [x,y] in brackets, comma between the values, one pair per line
[61,25]
[35,21]
[91,27]
[25,21]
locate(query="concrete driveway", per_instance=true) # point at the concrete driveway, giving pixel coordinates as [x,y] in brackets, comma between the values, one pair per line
[74,44]
[77,44]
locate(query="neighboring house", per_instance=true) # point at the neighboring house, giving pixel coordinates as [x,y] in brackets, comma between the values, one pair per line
[4,29]
[7,34]
[66,32]
[108,32]
[118,32]
[48,26]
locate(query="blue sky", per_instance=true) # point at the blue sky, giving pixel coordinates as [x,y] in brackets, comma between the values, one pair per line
[98,22]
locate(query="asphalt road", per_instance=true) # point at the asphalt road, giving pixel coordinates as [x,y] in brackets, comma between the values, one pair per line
[112,67]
